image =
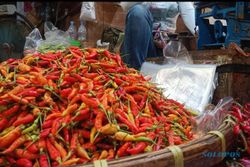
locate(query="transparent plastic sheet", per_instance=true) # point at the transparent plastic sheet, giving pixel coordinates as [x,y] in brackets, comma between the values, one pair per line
[55,39]
[190,84]
[176,53]
[212,117]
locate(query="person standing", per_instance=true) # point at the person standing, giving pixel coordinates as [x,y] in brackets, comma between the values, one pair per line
[145,17]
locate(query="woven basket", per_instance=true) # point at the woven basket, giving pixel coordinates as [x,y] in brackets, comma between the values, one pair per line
[192,153]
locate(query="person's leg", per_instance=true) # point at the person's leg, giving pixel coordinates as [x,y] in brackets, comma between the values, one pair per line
[138,42]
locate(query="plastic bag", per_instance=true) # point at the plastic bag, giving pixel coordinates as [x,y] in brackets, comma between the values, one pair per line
[55,39]
[176,53]
[88,11]
[32,42]
[212,118]
[190,84]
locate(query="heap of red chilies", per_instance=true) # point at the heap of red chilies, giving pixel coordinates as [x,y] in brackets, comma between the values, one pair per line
[242,130]
[82,105]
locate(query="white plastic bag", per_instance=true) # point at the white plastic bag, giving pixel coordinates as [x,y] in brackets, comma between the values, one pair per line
[55,39]
[176,53]
[32,42]
[88,11]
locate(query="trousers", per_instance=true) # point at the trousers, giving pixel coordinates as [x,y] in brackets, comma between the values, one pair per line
[138,42]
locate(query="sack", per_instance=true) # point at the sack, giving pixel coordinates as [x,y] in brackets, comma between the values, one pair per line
[112,35]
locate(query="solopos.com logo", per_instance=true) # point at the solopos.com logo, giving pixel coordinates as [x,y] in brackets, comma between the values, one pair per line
[233,154]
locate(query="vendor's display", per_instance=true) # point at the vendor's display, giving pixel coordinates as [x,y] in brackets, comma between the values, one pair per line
[241,128]
[82,105]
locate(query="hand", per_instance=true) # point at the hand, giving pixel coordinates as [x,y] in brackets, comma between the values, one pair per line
[159,44]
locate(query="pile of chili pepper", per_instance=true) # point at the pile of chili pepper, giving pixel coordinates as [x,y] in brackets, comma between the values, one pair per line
[241,129]
[82,105]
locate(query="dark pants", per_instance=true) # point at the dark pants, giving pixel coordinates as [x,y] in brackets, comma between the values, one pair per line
[138,42]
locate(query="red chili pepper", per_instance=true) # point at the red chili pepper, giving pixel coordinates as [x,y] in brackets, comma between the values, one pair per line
[55,164]
[121,70]
[110,70]
[59,147]
[73,93]
[71,161]
[139,147]
[74,141]
[71,108]
[170,138]
[55,126]
[12,120]
[25,154]
[53,116]
[10,60]
[118,59]
[89,146]
[11,160]
[145,120]
[41,144]
[45,133]
[98,120]
[4,102]
[122,151]
[129,124]
[69,79]
[19,141]
[53,152]
[85,134]
[78,77]
[143,101]
[32,147]
[24,120]
[237,111]
[120,112]
[246,128]
[32,93]
[43,63]
[43,160]
[118,81]
[130,89]
[7,139]
[66,135]
[236,129]
[90,75]
[18,99]
[111,154]
[47,124]
[24,162]
[104,146]
[92,55]
[84,111]
[82,153]
[53,77]
[11,111]
[89,101]
[82,117]
[3,123]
